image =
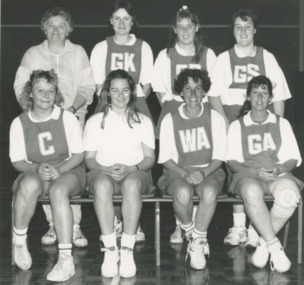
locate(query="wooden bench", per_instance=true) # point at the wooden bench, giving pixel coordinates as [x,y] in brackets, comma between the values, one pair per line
[157,199]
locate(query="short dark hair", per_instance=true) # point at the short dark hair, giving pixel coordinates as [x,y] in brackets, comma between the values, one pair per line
[195,74]
[244,14]
[123,4]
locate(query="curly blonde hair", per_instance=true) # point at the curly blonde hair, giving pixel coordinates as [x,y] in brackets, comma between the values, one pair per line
[26,101]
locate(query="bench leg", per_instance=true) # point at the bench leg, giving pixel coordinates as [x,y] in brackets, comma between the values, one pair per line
[12,231]
[157,233]
[286,234]
[300,231]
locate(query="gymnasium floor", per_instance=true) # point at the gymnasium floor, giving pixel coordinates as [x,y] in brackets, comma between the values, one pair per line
[226,265]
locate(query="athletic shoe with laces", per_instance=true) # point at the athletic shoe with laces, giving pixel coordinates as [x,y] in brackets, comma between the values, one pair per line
[260,256]
[63,270]
[117,227]
[109,266]
[252,237]
[22,257]
[50,237]
[235,236]
[127,266]
[140,235]
[79,240]
[278,259]
[177,236]
[196,252]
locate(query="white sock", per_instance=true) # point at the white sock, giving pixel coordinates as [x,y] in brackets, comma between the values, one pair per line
[188,229]
[273,244]
[239,220]
[198,234]
[65,250]
[109,240]
[20,235]
[76,227]
[128,240]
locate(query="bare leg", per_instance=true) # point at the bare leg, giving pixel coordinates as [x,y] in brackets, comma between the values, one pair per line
[26,199]
[132,203]
[103,189]
[253,196]
[207,205]
[182,194]
[60,193]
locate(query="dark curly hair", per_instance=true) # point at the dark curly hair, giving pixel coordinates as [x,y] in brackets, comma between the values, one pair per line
[255,82]
[104,100]
[195,74]
[26,101]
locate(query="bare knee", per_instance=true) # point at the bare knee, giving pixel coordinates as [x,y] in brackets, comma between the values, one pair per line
[252,194]
[30,186]
[208,195]
[132,187]
[183,195]
[102,187]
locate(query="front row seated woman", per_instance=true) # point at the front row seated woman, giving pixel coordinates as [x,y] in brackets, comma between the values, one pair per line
[46,146]
[192,149]
[261,153]
[119,152]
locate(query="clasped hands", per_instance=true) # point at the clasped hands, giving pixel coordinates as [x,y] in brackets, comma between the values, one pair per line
[194,177]
[48,171]
[119,171]
[268,173]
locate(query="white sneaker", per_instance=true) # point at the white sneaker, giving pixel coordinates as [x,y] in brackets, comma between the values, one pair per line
[252,237]
[117,227]
[278,259]
[63,270]
[140,235]
[196,252]
[127,266]
[235,236]
[79,240]
[22,256]
[177,235]
[109,266]
[50,237]
[260,256]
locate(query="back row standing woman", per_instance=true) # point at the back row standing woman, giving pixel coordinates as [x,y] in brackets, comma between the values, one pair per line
[230,75]
[124,51]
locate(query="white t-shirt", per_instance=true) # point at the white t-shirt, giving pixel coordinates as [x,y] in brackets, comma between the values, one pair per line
[72,128]
[161,78]
[289,148]
[221,78]
[167,145]
[99,56]
[117,142]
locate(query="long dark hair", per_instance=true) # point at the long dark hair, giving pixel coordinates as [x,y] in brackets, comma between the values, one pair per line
[255,82]
[186,13]
[104,100]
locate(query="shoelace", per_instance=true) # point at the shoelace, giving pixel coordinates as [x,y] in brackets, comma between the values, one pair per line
[201,245]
